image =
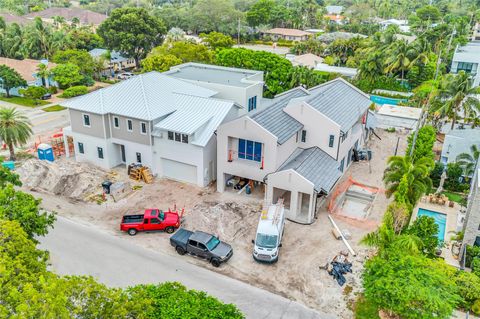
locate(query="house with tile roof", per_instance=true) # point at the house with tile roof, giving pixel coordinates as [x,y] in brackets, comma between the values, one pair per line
[162,121]
[287,34]
[85,17]
[297,147]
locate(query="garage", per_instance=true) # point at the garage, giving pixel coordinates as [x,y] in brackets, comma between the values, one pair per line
[179,171]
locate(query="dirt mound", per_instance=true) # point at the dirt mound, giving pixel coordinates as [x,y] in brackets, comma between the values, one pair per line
[63,178]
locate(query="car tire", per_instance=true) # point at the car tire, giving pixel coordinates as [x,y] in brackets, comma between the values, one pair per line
[169,230]
[132,231]
[215,262]
[180,250]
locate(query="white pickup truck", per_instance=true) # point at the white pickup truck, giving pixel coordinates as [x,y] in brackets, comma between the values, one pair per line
[268,239]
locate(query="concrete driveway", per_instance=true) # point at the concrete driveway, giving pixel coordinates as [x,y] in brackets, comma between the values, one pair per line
[78,249]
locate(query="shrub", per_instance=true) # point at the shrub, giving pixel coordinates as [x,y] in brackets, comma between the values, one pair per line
[472,252]
[53,90]
[87,81]
[454,174]
[476,267]
[74,91]
[436,173]
[476,307]
[468,285]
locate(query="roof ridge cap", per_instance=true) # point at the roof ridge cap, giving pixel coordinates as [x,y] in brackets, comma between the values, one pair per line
[147,108]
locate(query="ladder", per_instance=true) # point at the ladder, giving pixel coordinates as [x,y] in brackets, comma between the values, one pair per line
[278,208]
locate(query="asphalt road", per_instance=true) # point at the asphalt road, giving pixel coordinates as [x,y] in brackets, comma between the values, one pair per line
[77,249]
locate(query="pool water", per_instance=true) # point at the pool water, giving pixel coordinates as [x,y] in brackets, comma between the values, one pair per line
[440,220]
[385,100]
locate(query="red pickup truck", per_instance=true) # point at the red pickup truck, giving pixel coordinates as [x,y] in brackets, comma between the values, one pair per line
[152,220]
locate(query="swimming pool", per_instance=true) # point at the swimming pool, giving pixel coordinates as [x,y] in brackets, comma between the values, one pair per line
[440,220]
[385,100]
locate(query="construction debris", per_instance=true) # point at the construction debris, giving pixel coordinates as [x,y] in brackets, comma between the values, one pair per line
[140,173]
[338,267]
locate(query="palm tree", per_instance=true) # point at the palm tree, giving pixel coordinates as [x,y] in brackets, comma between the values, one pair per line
[44,73]
[468,160]
[457,95]
[398,60]
[15,129]
[415,177]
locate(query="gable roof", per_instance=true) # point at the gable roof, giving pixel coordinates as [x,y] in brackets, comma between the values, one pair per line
[27,68]
[278,122]
[147,96]
[114,55]
[287,32]
[316,166]
[340,101]
[199,115]
[85,16]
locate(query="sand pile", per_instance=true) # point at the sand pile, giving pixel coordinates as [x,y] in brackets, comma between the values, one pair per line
[64,178]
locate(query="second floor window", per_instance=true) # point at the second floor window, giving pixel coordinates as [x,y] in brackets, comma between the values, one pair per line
[465,66]
[86,120]
[304,136]
[252,103]
[129,125]
[116,122]
[250,150]
[143,127]
[331,140]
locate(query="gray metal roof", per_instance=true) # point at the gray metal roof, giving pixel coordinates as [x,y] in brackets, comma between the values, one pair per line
[214,74]
[147,96]
[468,53]
[340,101]
[276,121]
[114,55]
[316,166]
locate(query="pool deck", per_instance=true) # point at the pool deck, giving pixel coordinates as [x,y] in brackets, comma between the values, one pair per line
[450,227]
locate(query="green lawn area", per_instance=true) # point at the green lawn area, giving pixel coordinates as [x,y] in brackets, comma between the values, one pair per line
[453,197]
[53,108]
[23,101]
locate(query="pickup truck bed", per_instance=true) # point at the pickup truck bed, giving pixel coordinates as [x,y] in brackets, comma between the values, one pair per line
[130,219]
[180,238]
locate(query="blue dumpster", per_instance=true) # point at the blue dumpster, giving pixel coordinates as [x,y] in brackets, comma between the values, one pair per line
[9,164]
[45,152]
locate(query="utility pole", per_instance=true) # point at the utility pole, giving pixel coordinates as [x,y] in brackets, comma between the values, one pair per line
[238,32]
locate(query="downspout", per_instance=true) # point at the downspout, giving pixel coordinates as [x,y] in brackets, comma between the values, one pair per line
[338,148]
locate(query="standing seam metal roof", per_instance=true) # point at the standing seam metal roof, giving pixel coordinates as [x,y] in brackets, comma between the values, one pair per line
[316,166]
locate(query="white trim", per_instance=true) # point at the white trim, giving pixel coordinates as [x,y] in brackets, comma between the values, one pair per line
[89,120]
[117,127]
[126,121]
[146,128]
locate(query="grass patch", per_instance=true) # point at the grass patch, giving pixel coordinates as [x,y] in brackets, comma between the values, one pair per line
[454,197]
[365,309]
[54,108]
[23,101]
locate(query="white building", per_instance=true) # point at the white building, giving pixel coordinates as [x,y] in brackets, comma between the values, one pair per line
[402,24]
[467,58]
[299,145]
[458,141]
[161,121]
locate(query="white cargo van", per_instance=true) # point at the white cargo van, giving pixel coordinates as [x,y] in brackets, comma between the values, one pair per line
[268,239]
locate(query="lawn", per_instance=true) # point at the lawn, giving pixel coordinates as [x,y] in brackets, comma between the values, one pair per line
[23,101]
[53,108]
[454,197]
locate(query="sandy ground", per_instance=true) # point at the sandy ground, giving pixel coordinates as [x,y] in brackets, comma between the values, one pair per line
[234,217]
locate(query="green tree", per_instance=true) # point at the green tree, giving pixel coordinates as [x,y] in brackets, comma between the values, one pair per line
[8,177]
[216,40]
[426,229]
[9,79]
[416,177]
[467,161]
[436,173]
[186,51]
[468,288]
[160,63]
[67,75]
[84,39]
[33,92]
[424,143]
[214,15]
[80,58]
[44,73]
[454,174]
[132,32]
[408,286]
[15,129]
[398,58]
[261,12]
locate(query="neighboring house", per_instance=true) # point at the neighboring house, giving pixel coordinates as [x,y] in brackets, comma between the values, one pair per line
[287,34]
[467,58]
[336,18]
[332,36]
[116,63]
[85,17]
[348,72]
[471,225]
[334,9]
[308,59]
[28,69]
[298,146]
[476,32]
[244,87]
[402,24]
[11,18]
[160,120]
[458,141]
[394,116]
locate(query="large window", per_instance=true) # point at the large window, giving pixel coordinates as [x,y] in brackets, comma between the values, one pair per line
[250,150]
[86,120]
[170,135]
[464,66]
[252,103]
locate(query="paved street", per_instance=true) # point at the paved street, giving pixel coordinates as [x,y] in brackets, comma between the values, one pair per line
[81,250]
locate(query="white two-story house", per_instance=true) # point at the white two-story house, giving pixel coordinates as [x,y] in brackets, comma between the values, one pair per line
[298,146]
[467,58]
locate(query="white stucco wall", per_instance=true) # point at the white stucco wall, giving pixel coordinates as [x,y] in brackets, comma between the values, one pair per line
[131,150]
[353,135]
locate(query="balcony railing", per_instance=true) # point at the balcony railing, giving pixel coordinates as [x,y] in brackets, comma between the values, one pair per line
[234,155]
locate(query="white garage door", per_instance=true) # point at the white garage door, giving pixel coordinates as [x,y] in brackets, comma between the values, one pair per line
[179,171]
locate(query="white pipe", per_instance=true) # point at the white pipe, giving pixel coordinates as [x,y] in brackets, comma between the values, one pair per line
[343,237]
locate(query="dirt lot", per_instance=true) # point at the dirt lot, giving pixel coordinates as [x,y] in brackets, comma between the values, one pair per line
[234,217]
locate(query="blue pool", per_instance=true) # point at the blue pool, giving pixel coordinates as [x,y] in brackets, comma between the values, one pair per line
[440,220]
[385,100]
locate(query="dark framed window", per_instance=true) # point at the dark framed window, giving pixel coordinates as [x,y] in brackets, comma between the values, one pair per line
[304,136]
[331,140]
[80,148]
[250,150]
[170,135]
[116,122]
[178,137]
[185,138]
[100,152]
[86,120]
[252,103]
[143,127]
[465,66]
[139,157]
[129,125]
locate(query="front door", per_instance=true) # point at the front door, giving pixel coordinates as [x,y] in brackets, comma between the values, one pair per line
[122,152]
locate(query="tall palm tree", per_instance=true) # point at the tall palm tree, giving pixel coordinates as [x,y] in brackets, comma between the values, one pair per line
[15,129]
[468,160]
[44,73]
[399,58]
[416,176]
[458,96]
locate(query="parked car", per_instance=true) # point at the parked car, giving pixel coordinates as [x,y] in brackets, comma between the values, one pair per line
[268,239]
[151,220]
[202,245]
[46,96]
[125,75]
